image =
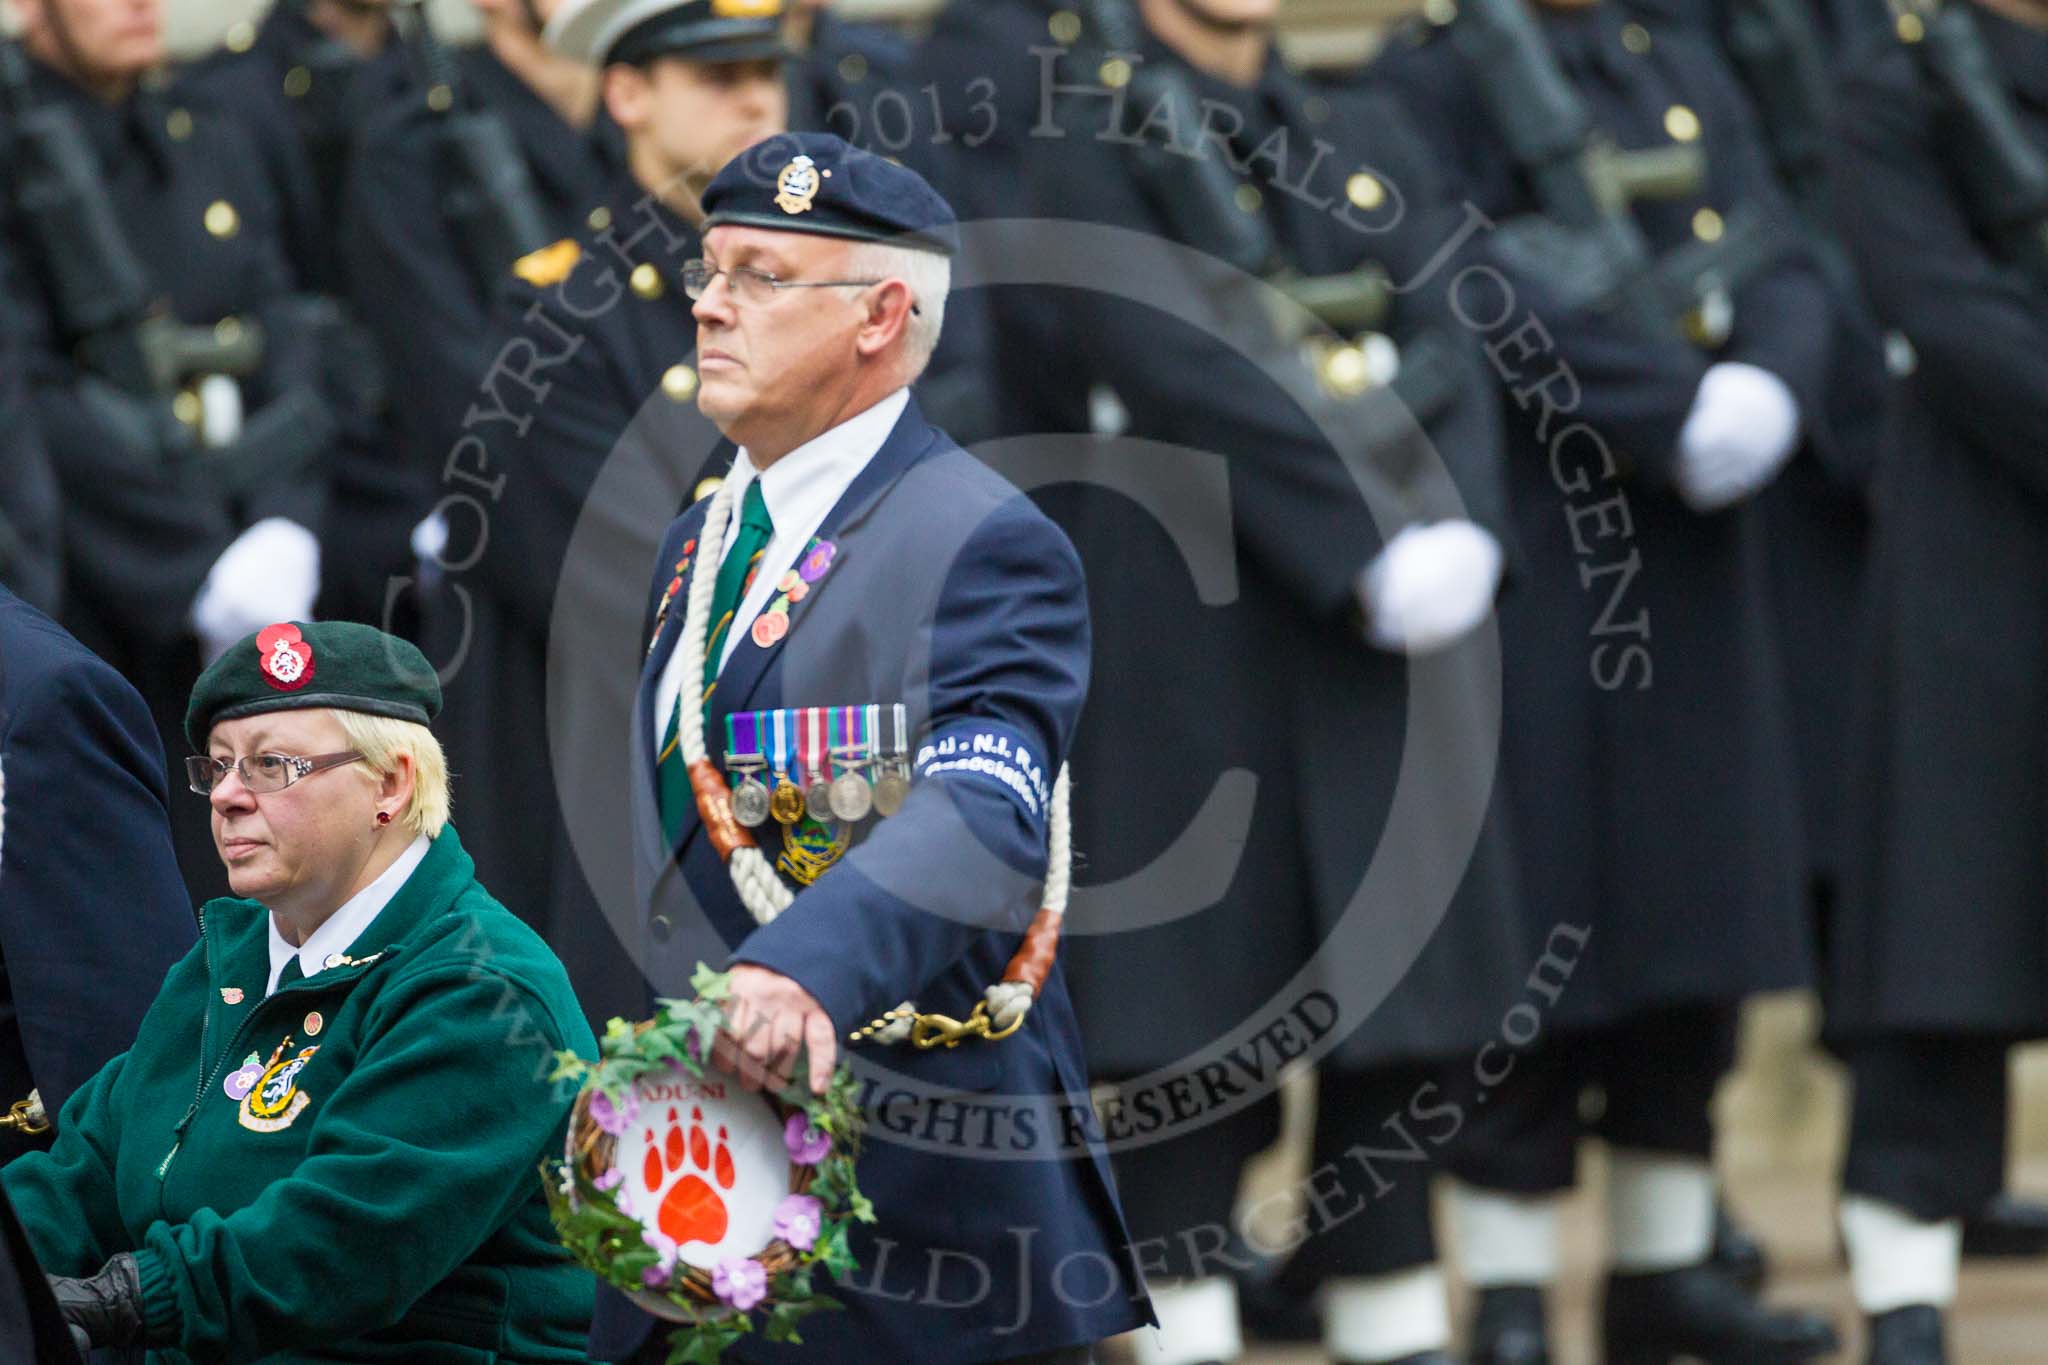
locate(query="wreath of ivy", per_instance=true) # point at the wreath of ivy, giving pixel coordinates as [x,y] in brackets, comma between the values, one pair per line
[612,1245]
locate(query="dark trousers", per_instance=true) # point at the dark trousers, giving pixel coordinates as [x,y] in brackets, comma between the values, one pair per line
[1367,1192]
[1646,1084]
[1927,1125]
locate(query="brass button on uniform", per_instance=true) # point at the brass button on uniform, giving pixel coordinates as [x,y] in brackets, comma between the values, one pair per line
[1707,225]
[1682,124]
[1365,191]
[1440,12]
[646,281]
[297,82]
[178,123]
[1116,73]
[659,928]
[679,382]
[241,36]
[1248,198]
[853,68]
[221,219]
[1910,28]
[1064,26]
[228,331]
[600,218]
[440,99]
[1635,38]
[1316,109]
[187,408]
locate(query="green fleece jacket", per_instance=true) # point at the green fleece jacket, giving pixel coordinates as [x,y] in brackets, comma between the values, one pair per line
[374,1195]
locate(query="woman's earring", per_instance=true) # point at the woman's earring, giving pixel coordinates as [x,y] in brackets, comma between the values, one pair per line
[383,817]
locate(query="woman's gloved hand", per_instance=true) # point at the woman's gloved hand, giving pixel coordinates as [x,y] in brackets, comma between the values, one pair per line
[103,1309]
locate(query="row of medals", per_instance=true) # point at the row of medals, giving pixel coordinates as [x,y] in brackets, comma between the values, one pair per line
[849,796]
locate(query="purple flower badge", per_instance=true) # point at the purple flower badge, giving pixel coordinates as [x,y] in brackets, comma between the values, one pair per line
[807,1145]
[798,1219]
[817,561]
[740,1281]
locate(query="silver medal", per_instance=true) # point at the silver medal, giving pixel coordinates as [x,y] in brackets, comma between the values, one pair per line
[750,802]
[851,799]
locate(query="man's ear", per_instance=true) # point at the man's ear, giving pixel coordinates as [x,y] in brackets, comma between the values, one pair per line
[888,313]
[628,95]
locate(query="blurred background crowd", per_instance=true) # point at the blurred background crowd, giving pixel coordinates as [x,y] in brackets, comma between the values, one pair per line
[1626,426]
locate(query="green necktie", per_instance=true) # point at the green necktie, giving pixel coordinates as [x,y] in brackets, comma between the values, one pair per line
[735,576]
[291,971]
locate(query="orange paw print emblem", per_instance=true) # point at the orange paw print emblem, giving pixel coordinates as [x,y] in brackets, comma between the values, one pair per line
[694,1168]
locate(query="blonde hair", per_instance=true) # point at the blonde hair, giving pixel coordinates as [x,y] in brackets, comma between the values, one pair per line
[380,740]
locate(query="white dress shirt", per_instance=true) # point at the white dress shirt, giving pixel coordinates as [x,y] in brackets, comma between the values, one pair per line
[800,488]
[346,925]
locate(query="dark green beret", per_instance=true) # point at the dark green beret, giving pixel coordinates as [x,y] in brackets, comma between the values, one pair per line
[299,665]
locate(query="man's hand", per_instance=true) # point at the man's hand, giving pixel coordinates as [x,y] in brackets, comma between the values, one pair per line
[769,1019]
[1430,586]
[1743,426]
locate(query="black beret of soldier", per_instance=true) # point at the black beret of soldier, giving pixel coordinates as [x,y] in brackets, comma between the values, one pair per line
[295,665]
[816,183]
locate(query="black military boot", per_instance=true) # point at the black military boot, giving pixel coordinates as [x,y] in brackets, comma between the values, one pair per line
[1508,1329]
[1737,1253]
[1657,1318]
[1908,1336]
[2007,1227]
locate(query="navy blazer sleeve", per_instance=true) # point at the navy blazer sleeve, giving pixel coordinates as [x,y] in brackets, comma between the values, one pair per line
[93,913]
[1009,652]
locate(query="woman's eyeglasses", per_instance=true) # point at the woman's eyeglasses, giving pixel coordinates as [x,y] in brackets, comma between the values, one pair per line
[259,772]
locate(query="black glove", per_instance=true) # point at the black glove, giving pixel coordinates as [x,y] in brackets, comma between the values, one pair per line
[106,1308]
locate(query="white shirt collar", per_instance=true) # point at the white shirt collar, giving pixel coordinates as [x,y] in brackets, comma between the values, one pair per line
[802,486]
[346,925]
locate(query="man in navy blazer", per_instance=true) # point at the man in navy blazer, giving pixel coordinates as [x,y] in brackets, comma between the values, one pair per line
[927,581]
[93,912]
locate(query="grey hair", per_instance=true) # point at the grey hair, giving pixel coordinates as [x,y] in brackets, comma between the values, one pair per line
[930,277]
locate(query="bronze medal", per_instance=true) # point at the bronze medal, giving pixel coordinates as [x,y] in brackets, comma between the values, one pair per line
[851,798]
[890,790]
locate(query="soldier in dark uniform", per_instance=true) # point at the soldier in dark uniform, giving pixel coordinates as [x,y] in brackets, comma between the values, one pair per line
[31,559]
[192,465]
[1645,752]
[302,83]
[1280,684]
[299,82]
[423,251]
[1940,964]
[689,86]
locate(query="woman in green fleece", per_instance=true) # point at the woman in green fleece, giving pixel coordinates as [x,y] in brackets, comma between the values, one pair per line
[323,1144]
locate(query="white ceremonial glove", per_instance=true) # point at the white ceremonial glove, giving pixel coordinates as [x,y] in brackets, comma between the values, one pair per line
[1743,426]
[1430,585]
[270,573]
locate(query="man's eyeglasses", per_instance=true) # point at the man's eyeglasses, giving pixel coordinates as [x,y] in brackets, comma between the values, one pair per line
[260,772]
[752,286]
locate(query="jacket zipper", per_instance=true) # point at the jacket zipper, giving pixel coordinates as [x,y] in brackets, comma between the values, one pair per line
[209,1078]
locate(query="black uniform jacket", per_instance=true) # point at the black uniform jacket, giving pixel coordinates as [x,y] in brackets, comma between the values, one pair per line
[1647,753]
[1942,929]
